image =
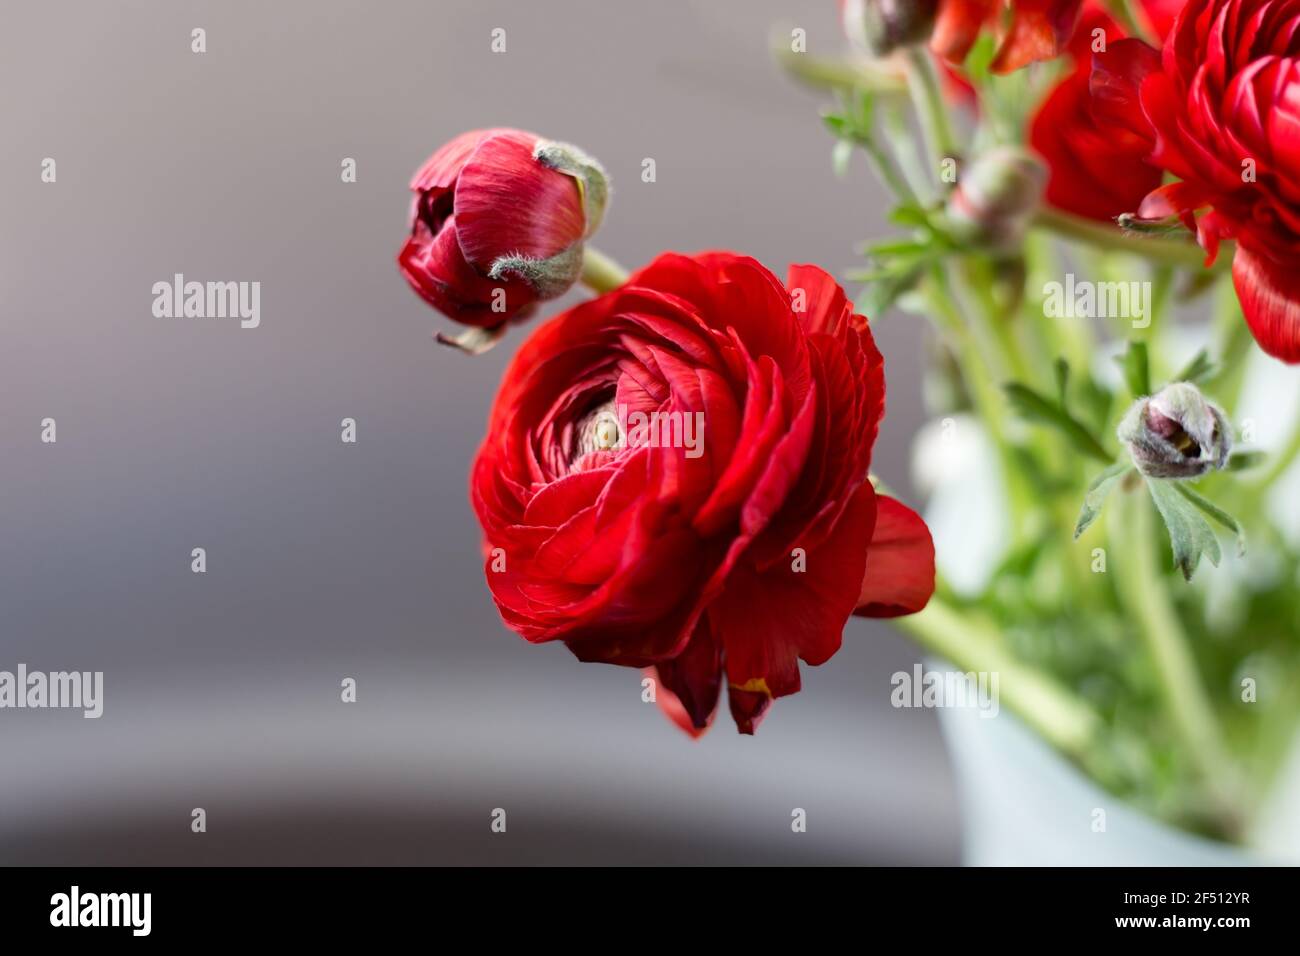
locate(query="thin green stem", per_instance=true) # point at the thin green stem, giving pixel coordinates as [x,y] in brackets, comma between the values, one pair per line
[1060,717]
[1144,591]
[1173,252]
[827,74]
[600,273]
[1281,462]
[930,107]
[886,171]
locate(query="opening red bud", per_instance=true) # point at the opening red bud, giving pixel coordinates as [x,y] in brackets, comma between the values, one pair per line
[498,223]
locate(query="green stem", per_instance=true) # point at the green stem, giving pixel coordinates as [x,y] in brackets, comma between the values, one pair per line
[826,74]
[969,644]
[1144,590]
[600,273]
[882,163]
[930,107]
[1281,462]
[1171,251]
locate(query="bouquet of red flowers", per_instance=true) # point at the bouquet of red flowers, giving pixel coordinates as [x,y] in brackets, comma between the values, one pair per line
[676,475]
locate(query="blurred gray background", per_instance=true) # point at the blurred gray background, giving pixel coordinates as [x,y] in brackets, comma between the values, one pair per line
[328,560]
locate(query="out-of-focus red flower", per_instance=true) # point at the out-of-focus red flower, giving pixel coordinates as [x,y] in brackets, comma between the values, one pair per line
[1220,109]
[498,223]
[1028,30]
[1094,171]
[675,476]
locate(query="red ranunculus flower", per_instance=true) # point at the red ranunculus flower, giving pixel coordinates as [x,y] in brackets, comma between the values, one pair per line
[1029,30]
[498,223]
[675,476]
[1220,109]
[1094,171]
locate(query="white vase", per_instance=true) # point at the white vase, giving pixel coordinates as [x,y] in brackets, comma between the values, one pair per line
[1024,805]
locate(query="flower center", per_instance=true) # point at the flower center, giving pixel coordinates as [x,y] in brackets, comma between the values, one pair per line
[598,430]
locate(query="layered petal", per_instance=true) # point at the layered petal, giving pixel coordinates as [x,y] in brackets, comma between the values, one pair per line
[675,476]
[1269,292]
[899,576]
[497,224]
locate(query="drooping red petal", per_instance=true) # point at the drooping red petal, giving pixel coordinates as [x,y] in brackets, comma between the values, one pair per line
[899,578]
[690,683]
[1269,292]
[748,708]
[768,621]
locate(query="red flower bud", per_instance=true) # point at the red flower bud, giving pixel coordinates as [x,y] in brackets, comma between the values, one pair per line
[498,224]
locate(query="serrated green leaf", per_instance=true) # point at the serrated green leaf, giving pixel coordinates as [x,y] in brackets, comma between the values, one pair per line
[1035,407]
[1137,369]
[1098,491]
[1215,512]
[1198,369]
[1189,533]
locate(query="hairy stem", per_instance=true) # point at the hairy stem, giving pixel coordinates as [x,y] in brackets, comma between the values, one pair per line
[1170,251]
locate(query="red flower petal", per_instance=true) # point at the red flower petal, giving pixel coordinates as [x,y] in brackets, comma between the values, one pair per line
[899,578]
[690,683]
[1116,82]
[768,621]
[1040,29]
[748,708]
[957,27]
[1269,292]
[437,270]
[508,203]
[1095,172]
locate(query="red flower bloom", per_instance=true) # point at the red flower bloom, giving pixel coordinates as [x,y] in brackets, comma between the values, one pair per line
[1029,29]
[730,536]
[1220,109]
[498,223]
[1094,171]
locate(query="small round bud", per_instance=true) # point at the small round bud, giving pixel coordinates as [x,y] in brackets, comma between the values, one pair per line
[996,196]
[1176,433]
[883,26]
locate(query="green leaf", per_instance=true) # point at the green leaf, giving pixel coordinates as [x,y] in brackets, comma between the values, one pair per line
[1062,369]
[885,289]
[909,215]
[1189,533]
[1241,460]
[1035,407]
[1215,512]
[1137,370]
[1197,370]
[897,247]
[1097,492]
